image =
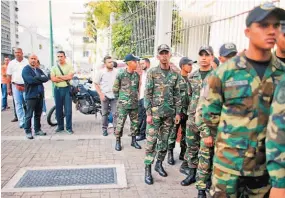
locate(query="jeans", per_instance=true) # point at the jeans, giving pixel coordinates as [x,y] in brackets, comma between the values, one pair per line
[63,100]
[105,112]
[142,118]
[44,105]
[19,98]
[34,107]
[4,95]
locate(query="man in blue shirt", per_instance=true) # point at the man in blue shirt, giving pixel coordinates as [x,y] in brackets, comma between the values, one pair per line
[33,80]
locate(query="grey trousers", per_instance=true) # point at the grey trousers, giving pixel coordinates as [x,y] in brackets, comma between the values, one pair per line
[105,112]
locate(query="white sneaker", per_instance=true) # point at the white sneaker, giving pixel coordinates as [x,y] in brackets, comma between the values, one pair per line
[44,113]
[110,125]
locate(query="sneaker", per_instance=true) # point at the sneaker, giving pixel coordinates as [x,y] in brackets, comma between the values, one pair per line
[105,132]
[44,114]
[59,130]
[40,133]
[14,120]
[69,131]
[29,136]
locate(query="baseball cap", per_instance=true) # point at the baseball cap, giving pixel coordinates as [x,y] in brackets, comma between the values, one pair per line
[259,13]
[207,49]
[131,57]
[186,60]
[163,47]
[227,49]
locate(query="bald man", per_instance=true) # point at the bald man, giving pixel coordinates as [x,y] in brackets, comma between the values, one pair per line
[33,78]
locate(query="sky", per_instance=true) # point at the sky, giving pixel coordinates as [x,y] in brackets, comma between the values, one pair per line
[35,15]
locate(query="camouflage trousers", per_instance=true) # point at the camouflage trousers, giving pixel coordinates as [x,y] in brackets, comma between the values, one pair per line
[173,135]
[205,164]
[226,185]
[193,144]
[156,138]
[122,114]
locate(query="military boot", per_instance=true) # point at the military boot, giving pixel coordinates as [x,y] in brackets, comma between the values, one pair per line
[202,194]
[191,178]
[182,153]
[158,168]
[184,168]
[148,177]
[118,146]
[170,159]
[134,143]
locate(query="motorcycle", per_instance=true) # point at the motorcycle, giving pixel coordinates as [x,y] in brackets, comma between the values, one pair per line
[86,100]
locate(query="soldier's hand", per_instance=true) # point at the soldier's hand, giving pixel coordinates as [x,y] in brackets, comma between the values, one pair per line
[9,91]
[102,97]
[177,119]
[277,193]
[209,141]
[149,119]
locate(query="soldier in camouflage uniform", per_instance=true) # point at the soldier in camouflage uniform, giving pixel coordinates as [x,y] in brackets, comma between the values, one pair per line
[162,102]
[126,90]
[192,132]
[206,151]
[185,93]
[237,105]
[275,142]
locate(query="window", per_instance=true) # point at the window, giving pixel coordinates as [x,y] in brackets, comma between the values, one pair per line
[85,53]
[85,39]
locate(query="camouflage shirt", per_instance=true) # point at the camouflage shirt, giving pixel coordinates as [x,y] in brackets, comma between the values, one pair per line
[185,93]
[126,89]
[162,93]
[275,138]
[237,105]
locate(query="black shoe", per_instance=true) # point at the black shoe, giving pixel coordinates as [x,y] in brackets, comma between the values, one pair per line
[140,138]
[29,136]
[170,159]
[134,143]
[58,130]
[118,146]
[202,194]
[184,168]
[190,179]
[105,132]
[40,133]
[14,120]
[159,168]
[148,177]
[69,131]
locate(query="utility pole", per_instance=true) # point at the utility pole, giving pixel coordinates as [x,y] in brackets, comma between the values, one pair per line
[51,35]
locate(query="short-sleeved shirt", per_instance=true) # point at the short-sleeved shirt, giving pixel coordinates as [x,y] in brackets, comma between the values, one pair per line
[105,79]
[66,69]
[15,69]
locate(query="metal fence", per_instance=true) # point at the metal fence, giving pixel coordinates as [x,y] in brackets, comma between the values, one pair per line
[212,22]
[142,21]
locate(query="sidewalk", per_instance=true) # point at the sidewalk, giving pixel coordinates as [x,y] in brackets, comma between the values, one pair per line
[86,147]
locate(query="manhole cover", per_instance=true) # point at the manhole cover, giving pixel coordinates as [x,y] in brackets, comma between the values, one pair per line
[67,177]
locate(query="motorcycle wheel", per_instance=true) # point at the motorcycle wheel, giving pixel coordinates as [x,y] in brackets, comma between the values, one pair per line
[51,118]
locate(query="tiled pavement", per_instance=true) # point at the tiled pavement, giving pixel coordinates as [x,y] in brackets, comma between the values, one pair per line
[86,147]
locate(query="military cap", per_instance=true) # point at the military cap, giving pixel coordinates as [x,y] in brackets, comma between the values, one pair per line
[227,49]
[259,13]
[163,47]
[207,49]
[131,57]
[186,60]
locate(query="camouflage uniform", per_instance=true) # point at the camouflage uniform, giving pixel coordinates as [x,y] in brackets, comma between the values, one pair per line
[237,105]
[275,138]
[205,154]
[192,132]
[185,93]
[126,89]
[162,100]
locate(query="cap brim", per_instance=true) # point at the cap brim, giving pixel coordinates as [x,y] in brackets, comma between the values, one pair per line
[192,62]
[279,12]
[159,51]
[207,51]
[228,52]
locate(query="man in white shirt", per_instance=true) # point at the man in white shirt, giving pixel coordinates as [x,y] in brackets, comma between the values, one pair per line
[145,65]
[14,73]
[104,82]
